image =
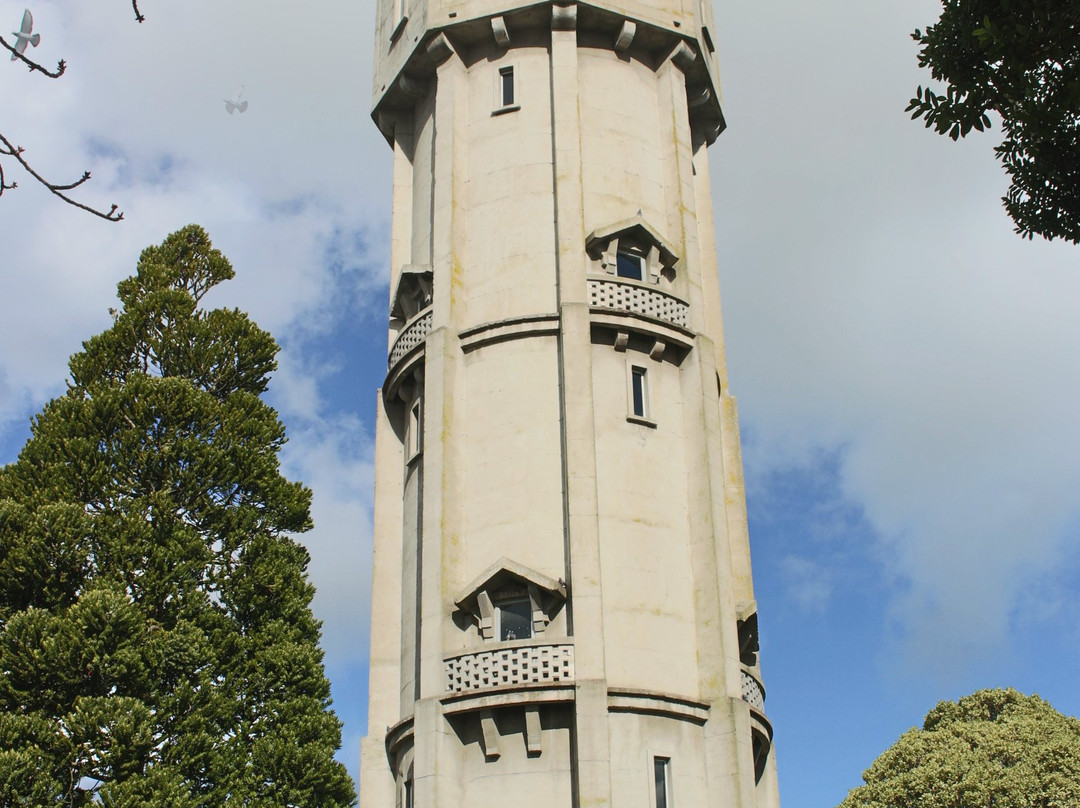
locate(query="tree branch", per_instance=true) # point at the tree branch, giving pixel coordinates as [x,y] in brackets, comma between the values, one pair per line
[10,150]
[138,14]
[60,67]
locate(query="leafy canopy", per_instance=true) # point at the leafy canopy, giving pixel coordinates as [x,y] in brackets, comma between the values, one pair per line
[1020,59]
[993,748]
[157,646]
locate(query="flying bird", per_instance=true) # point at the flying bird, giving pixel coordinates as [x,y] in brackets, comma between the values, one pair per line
[23,36]
[236,104]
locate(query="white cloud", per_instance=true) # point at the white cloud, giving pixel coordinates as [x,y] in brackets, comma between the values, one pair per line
[808,583]
[877,300]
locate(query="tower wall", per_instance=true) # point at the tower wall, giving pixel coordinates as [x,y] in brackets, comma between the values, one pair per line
[562,607]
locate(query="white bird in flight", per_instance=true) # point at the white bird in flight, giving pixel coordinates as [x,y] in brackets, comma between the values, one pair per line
[23,36]
[236,104]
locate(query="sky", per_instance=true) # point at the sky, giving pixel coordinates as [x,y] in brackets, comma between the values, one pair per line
[906,366]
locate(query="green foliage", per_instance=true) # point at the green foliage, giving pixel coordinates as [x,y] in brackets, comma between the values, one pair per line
[993,748]
[157,646]
[1020,59]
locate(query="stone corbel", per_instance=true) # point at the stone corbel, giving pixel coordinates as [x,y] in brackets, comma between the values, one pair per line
[498,30]
[440,49]
[683,57]
[491,734]
[699,97]
[564,18]
[412,88]
[534,740]
[657,352]
[626,36]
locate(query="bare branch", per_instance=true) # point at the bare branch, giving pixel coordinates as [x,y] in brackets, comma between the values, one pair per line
[10,150]
[60,67]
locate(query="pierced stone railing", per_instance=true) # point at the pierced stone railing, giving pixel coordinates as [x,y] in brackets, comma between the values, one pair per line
[522,665]
[753,693]
[611,294]
[411,335]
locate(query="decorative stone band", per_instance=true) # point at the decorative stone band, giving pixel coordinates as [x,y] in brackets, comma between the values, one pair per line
[637,299]
[753,693]
[501,667]
[411,335]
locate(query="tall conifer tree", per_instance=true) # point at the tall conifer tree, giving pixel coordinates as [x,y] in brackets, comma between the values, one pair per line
[157,646]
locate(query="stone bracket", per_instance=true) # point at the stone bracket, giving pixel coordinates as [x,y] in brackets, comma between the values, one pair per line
[534,738]
[490,735]
[564,18]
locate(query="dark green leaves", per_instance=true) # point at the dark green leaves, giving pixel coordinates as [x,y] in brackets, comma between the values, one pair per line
[994,747]
[157,646]
[1020,59]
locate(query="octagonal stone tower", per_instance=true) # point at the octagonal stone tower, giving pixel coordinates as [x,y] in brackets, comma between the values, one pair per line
[563,612]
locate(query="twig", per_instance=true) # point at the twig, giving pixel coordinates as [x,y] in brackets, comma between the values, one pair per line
[60,67]
[10,150]
[138,14]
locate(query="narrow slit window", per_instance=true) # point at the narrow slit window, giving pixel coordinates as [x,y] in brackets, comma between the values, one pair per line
[662,781]
[414,431]
[506,86]
[639,392]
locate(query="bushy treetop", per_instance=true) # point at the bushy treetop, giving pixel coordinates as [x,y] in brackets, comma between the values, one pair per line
[995,748]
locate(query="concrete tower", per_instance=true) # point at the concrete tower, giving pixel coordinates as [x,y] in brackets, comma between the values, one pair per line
[562,611]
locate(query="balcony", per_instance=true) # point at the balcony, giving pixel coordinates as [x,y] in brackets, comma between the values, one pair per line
[637,298]
[509,666]
[413,334]
[753,692]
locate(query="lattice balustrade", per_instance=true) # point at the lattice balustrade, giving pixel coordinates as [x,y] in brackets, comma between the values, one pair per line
[605,294]
[411,336]
[528,665]
[753,693]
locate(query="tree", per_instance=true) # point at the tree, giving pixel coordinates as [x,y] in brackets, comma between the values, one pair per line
[157,646]
[993,748]
[1020,59]
[18,153]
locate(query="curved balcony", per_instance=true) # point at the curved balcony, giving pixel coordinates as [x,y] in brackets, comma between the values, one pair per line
[753,692]
[414,333]
[510,666]
[637,298]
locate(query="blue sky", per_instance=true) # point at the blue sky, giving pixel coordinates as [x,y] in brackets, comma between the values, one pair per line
[906,367]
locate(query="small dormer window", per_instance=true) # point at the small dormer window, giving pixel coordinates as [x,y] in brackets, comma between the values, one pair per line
[634,250]
[509,602]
